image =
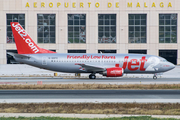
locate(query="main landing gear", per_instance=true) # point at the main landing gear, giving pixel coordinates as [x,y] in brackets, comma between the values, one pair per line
[155,76]
[92,76]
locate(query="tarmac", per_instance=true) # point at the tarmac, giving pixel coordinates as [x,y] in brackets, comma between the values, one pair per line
[22,70]
[60,80]
[80,115]
[24,74]
[90,96]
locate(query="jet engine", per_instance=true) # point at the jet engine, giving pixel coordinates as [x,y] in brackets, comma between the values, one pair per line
[113,72]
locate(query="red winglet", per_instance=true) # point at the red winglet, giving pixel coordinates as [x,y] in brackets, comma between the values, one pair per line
[24,43]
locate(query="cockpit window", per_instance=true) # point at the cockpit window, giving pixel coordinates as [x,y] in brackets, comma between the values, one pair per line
[163,60]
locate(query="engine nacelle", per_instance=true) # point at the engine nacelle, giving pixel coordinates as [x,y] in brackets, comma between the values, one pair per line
[113,72]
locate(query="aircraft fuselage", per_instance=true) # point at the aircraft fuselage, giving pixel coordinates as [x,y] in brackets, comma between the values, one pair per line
[131,63]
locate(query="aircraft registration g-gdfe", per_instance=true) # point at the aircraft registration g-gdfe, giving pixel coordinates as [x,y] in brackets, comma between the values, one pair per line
[109,65]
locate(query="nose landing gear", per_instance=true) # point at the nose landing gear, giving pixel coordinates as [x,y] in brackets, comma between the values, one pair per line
[155,76]
[92,76]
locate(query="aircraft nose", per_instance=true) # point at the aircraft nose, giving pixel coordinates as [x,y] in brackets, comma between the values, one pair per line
[171,66]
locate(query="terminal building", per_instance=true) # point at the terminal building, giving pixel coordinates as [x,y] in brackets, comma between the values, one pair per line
[94,26]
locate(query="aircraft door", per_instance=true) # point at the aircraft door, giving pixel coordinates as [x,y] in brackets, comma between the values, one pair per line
[102,62]
[44,60]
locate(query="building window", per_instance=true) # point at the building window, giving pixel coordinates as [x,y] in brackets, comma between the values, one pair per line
[137,28]
[46,24]
[167,28]
[107,28]
[138,51]
[169,55]
[52,50]
[76,51]
[76,28]
[106,51]
[13,18]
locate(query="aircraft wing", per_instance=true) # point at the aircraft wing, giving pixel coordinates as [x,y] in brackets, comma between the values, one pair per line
[90,68]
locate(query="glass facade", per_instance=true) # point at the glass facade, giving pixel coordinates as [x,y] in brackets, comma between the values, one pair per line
[46,28]
[107,28]
[137,28]
[13,18]
[169,55]
[138,51]
[106,51]
[76,32]
[76,51]
[167,28]
[76,28]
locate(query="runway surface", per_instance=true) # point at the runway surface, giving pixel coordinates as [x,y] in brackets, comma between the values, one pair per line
[90,95]
[29,80]
[76,96]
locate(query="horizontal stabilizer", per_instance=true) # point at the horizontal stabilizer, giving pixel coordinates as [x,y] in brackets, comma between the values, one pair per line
[15,55]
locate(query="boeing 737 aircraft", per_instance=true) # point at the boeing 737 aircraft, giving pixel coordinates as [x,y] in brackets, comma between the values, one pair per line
[109,65]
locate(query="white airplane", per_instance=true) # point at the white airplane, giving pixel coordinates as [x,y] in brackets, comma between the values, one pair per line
[109,65]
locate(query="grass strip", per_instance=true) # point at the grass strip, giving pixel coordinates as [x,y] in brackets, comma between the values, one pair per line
[59,118]
[92,86]
[93,108]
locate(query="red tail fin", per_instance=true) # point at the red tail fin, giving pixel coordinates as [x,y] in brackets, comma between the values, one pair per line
[24,43]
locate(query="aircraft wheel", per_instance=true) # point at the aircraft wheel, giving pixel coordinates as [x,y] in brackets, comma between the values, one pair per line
[154,77]
[92,77]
